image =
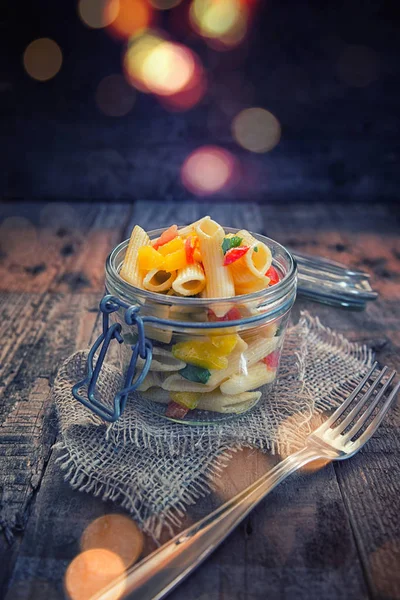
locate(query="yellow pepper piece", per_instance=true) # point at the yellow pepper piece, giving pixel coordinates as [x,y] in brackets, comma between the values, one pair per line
[172,246]
[197,255]
[187,399]
[225,343]
[175,260]
[201,354]
[149,258]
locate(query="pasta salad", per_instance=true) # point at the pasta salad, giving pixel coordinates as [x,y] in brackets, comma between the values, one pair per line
[213,370]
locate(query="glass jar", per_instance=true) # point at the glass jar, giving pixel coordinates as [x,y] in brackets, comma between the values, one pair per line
[193,360]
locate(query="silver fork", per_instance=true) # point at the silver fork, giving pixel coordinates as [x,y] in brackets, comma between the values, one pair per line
[161,571]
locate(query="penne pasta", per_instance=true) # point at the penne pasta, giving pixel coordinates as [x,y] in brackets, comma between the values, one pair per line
[258,348]
[215,401]
[162,360]
[152,379]
[190,280]
[184,231]
[219,281]
[256,376]
[249,271]
[130,269]
[158,280]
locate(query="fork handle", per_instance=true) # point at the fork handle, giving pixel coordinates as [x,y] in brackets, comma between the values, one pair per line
[161,571]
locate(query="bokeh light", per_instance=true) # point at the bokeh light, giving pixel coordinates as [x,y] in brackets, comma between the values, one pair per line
[116,533]
[164,4]
[42,59]
[114,97]
[256,129]
[358,66]
[168,68]
[222,22]
[207,170]
[98,13]
[171,71]
[133,17]
[93,570]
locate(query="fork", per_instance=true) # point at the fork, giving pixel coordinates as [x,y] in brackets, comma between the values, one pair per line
[165,568]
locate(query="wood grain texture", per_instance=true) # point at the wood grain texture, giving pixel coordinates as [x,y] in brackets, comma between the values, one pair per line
[331,534]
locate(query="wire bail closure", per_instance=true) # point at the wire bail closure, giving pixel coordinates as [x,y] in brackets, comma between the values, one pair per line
[142,348]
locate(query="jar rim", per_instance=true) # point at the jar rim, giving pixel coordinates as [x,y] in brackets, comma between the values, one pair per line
[267,295]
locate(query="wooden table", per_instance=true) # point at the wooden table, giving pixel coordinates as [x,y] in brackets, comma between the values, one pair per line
[330,534]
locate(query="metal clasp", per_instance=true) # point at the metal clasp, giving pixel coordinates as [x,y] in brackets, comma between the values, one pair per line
[142,348]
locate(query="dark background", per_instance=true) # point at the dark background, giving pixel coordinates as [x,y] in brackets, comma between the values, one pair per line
[339,140]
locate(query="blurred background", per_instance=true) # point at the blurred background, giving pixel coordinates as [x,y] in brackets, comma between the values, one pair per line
[237,100]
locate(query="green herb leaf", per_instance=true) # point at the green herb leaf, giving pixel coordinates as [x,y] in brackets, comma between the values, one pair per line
[232,242]
[255,248]
[197,374]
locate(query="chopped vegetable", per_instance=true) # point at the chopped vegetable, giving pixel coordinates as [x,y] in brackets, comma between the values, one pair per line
[231,242]
[201,354]
[225,343]
[175,244]
[197,256]
[272,360]
[175,260]
[149,258]
[234,254]
[176,411]
[167,235]
[273,275]
[197,374]
[255,248]
[190,247]
[232,315]
[186,399]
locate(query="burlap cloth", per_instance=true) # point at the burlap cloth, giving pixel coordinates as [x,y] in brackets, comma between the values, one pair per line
[155,469]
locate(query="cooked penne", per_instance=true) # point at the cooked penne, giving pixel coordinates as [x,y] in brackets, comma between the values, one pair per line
[162,360]
[152,379]
[158,280]
[192,226]
[219,281]
[190,280]
[256,376]
[253,265]
[258,348]
[215,401]
[130,269]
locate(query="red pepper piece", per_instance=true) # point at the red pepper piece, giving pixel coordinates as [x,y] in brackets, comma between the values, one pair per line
[166,236]
[272,273]
[232,315]
[190,246]
[176,411]
[234,254]
[272,360]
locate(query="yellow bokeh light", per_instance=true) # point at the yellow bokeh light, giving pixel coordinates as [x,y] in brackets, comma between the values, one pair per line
[42,59]
[133,17]
[167,68]
[116,533]
[114,96]
[92,571]
[136,55]
[164,4]
[256,129]
[98,13]
[207,170]
[223,21]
